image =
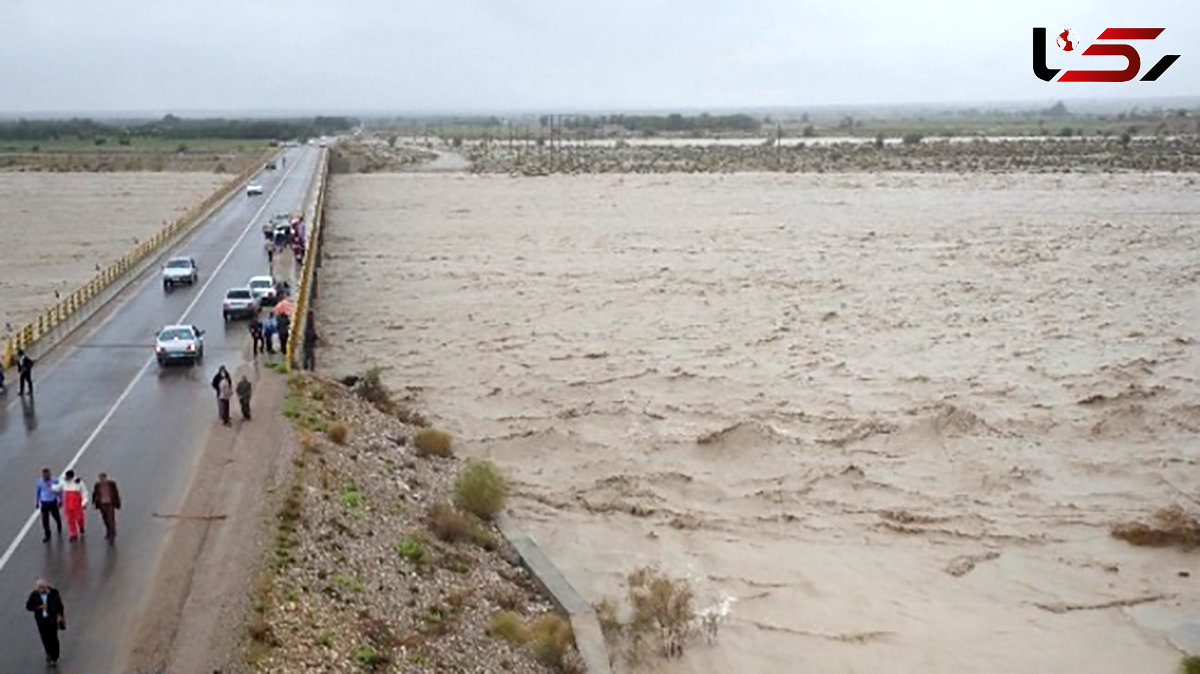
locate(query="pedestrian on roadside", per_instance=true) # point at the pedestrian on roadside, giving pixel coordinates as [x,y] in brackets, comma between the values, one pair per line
[48,498]
[75,500]
[270,326]
[2,388]
[45,603]
[285,323]
[223,384]
[310,343]
[25,371]
[107,498]
[256,335]
[243,394]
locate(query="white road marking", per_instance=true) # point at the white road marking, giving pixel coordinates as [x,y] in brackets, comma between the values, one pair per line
[16,542]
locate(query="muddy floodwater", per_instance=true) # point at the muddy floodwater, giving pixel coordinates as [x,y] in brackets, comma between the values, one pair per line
[56,227]
[884,421]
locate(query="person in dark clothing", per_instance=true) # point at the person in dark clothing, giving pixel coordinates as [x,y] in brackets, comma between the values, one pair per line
[46,605]
[107,499]
[223,384]
[243,394]
[310,343]
[256,336]
[2,389]
[285,323]
[25,370]
[49,497]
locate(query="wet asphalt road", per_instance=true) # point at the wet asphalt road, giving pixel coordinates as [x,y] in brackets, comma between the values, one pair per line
[102,393]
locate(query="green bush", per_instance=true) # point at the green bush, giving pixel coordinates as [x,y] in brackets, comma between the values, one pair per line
[1190,665]
[480,488]
[413,549]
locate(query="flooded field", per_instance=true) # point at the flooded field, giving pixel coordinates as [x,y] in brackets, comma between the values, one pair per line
[57,227]
[887,420]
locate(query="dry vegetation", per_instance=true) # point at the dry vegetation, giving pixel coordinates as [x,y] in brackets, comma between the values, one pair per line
[1170,526]
[372,568]
[1067,155]
[224,160]
[662,618]
[373,155]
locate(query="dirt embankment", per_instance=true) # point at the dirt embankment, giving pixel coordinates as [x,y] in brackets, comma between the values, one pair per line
[1039,156]
[371,566]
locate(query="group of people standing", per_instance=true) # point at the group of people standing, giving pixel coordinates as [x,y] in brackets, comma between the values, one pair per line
[222,383]
[262,333]
[71,496]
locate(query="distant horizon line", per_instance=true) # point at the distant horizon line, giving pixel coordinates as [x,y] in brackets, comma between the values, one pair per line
[1110,103]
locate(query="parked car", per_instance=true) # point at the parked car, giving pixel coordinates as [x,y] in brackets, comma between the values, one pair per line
[254,189]
[264,290]
[239,303]
[270,165]
[177,270]
[179,343]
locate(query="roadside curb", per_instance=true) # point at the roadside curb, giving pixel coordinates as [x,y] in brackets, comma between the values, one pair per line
[589,639]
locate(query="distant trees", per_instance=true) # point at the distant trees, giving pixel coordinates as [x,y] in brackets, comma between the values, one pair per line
[170,126]
[672,123]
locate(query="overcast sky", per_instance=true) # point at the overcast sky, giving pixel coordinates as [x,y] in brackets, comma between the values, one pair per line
[545,55]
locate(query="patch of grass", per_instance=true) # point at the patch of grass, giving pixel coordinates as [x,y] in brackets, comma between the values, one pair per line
[610,623]
[508,626]
[549,639]
[480,489]
[325,639]
[261,632]
[347,583]
[413,549]
[337,432]
[1169,526]
[447,523]
[352,498]
[370,659]
[275,366]
[1190,665]
[432,442]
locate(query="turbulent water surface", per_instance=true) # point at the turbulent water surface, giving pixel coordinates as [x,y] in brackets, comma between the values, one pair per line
[889,418]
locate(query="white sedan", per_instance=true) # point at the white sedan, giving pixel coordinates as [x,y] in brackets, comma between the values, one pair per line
[176,343]
[254,189]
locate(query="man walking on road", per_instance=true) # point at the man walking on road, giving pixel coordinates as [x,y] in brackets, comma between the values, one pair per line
[46,605]
[25,370]
[243,394]
[108,501]
[224,387]
[48,497]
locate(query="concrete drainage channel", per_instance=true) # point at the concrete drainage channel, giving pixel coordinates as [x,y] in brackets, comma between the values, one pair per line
[588,637]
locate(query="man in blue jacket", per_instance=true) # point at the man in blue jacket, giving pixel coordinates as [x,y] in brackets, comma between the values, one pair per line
[49,495]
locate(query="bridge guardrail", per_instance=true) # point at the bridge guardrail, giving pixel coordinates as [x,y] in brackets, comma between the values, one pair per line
[307,289]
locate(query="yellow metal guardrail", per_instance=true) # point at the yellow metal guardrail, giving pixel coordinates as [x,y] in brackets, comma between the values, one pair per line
[304,292]
[60,311]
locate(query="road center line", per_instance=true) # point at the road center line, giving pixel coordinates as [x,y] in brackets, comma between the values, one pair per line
[16,542]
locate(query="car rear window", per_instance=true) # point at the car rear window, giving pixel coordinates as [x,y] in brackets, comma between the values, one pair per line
[238,294]
[179,263]
[175,333]
[262,283]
